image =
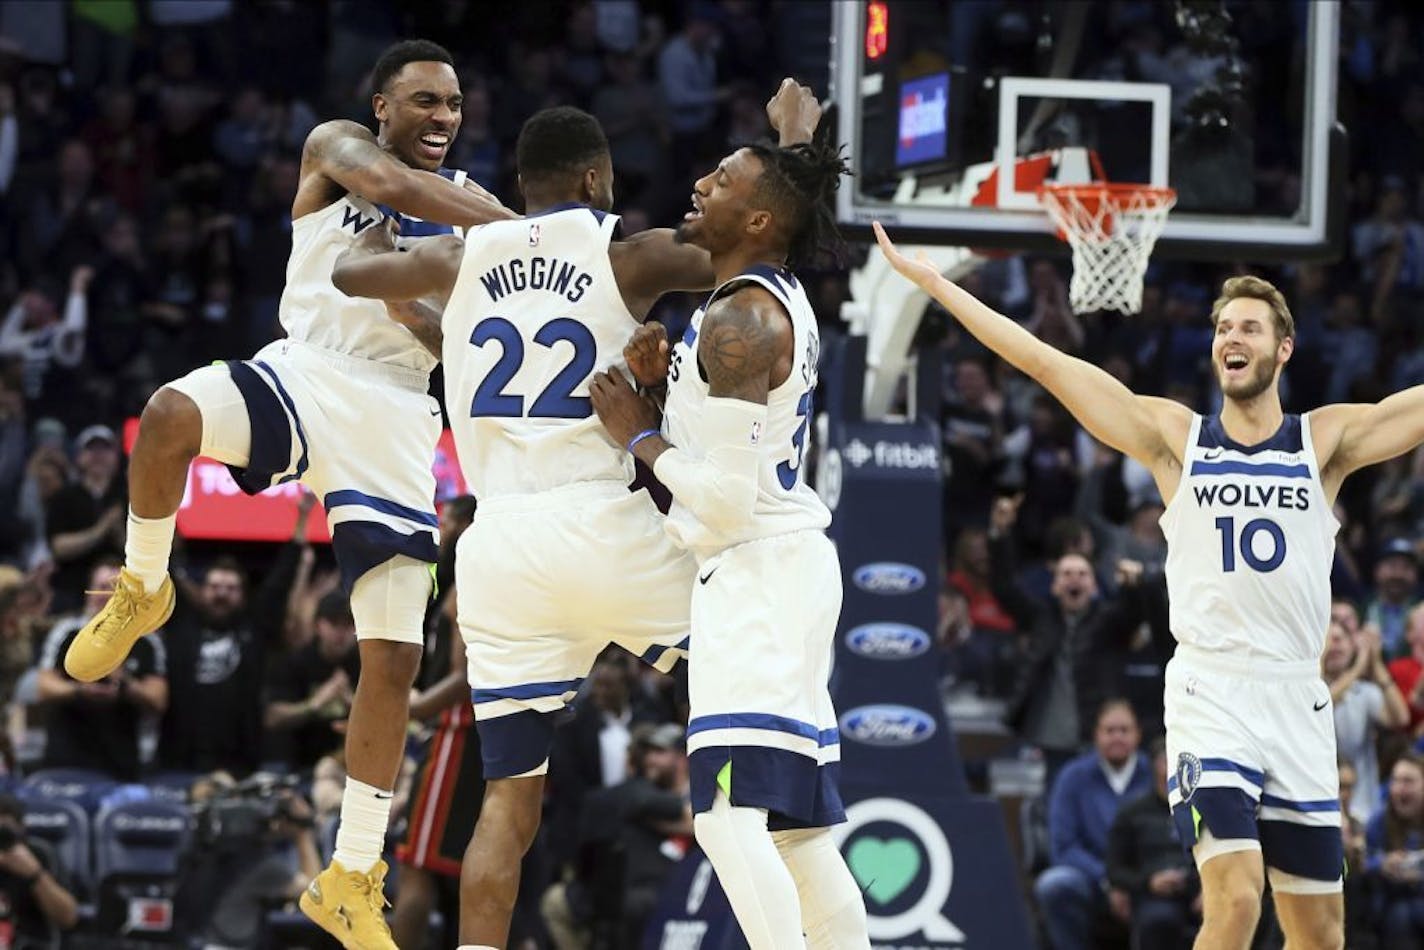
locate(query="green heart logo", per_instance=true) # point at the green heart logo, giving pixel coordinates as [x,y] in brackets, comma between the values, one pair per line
[884,868]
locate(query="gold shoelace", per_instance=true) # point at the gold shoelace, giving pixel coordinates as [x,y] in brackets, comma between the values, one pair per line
[120,611]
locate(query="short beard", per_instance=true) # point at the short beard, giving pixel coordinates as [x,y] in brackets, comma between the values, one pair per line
[1253,387]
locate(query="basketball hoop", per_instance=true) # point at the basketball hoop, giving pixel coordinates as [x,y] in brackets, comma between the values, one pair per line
[1112,229]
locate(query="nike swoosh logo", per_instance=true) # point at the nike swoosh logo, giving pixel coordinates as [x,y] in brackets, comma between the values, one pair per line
[1213,455]
[1319,706]
[703,580]
[435,412]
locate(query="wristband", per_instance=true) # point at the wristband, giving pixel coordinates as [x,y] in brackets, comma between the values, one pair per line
[646,433]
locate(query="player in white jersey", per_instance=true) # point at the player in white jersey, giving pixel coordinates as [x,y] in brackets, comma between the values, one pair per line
[342,405]
[561,559]
[762,739]
[1250,537]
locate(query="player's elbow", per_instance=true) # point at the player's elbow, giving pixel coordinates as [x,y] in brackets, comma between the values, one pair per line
[730,506]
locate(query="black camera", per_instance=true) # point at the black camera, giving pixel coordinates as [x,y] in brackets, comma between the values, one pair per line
[245,813]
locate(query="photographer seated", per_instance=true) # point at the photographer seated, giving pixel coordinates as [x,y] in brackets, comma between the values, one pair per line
[35,904]
[256,849]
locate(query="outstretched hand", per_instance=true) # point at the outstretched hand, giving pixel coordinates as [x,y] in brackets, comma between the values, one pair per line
[920,271]
[622,411]
[648,355]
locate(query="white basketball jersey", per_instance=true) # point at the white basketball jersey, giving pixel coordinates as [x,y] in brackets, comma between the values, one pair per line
[314,311]
[1250,543]
[533,315]
[785,503]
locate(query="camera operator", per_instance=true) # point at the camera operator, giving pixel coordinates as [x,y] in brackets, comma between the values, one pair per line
[35,905]
[256,849]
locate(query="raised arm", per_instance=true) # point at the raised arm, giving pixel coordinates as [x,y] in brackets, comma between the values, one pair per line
[1349,436]
[652,263]
[1150,430]
[348,154]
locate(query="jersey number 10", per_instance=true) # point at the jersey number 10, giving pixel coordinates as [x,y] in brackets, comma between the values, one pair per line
[1245,543]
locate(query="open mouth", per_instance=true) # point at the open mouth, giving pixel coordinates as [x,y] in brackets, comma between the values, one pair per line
[1235,362]
[696,211]
[432,145]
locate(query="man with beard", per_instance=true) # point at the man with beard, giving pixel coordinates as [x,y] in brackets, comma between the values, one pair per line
[218,642]
[1250,531]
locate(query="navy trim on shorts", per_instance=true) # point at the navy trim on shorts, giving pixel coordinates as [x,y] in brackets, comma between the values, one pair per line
[514,744]
[785,783]
[525,690]
[654,653]
[765,721]
[362,545]
[301,468]
[1311,851]
[270,454]
[350,496]
[1228,813]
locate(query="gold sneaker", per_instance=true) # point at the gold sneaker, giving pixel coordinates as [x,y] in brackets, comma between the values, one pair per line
[350,906]
[104,643]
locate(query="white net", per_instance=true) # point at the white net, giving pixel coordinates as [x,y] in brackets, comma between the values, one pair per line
[1112,229]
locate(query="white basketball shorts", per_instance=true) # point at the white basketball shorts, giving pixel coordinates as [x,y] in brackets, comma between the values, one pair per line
[762,726]
[544,582]
[1252,746]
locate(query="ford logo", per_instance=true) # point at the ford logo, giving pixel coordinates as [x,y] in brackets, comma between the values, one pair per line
[887,725]
[887,641]
[889,577]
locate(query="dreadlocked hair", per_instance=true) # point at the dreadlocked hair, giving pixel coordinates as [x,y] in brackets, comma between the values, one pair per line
[799,183]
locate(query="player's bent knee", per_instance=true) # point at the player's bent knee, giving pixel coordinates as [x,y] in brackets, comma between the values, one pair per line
[515,805]
[173,421]
[389,666]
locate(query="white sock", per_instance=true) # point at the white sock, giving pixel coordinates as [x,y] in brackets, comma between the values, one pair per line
[832,906]
[361,836]
[473,946]
[758,885]
[146,550]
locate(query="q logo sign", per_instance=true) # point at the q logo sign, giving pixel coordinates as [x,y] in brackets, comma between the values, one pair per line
[901,859]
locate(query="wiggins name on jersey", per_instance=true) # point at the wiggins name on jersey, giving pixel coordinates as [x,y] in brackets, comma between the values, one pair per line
[534,313]
[785,503]
[1250,543]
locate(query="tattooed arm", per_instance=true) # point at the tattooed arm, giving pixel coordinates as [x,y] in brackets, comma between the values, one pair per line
[342,156]
[745,350]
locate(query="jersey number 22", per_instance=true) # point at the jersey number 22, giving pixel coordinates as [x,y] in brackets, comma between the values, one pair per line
[557,401]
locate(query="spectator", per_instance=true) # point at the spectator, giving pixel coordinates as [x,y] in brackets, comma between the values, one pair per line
[1407,669]
[972,426]
[1391,230]
[47,345]
[983,648]
[311,694]
[1073,893]
[1394,840]
[687,70]
[591,751]
[1365,700]
[1066,672]
[35,901]
[1359,929]
[647,819]
[96,725]
[632,114]
[1353,346]
[1146,861]
[85,519]
[218,647]
[1396,579]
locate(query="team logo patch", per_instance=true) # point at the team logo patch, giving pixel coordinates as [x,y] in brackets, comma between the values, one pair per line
[534,235]
[1189,773]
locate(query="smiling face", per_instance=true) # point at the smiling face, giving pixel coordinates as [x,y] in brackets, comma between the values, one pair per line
[723,213]
[419,112]
[1247,351]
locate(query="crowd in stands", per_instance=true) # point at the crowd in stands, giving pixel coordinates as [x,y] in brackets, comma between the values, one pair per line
[149,150]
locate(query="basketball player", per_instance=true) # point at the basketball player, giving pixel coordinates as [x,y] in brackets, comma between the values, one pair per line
[342,405]
[561,558]
[762,739]
[1250,538]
